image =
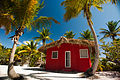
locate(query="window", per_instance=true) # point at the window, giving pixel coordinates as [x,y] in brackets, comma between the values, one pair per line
[83,53]
[54,54]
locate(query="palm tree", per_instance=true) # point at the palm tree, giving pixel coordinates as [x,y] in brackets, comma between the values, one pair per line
[23,12]
[30,49]
[69,34]
[73,9]
[112,30]
[44,35]
[86,35]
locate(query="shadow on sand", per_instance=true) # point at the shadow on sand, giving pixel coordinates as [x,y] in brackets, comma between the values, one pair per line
[4,78]
[40,77]
[25,77]
[39,69]
[47,77]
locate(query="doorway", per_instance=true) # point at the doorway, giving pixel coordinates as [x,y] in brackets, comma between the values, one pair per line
[67,59]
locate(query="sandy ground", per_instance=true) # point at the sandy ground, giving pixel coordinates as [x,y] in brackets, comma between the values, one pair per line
[35,73]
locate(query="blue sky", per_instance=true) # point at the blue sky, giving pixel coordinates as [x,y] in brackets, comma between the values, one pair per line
[54,9]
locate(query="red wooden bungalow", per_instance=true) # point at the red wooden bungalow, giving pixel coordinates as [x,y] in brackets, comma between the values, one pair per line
[68,54]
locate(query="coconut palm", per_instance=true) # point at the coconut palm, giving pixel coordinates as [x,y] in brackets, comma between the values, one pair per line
[29,49]
[44,35]
[86,35]
[23,12]
[73,9]
[69,34]
[112,31]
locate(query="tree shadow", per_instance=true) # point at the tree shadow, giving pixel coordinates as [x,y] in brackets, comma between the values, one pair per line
[33,75]
[56,71]
[4,78]
[35,69]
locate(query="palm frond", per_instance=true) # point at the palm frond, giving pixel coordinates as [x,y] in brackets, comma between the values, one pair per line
[112,29]
[44,21]
[35,37]
[118,34]
[22,51]
[86,35]
[44,34]
[69,34]
[74,7]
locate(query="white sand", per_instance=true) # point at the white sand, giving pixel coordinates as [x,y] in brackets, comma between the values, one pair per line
[43,75]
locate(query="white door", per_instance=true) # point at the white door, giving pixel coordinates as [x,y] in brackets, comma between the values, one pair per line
[67,59]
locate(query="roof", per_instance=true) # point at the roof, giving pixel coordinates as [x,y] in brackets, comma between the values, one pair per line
[65,40]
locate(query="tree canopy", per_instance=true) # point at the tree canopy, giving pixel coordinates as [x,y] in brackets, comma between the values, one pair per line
[69,34]
[112,30]
[86,35]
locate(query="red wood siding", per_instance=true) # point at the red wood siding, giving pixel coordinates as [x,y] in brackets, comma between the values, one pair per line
[77,63]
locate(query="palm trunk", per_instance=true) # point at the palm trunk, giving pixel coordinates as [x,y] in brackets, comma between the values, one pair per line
[44,42]
[96,61]
[11,72]
[26,61]
[44,51]
[113,38]
[43,45]
[41,57]
[29,59]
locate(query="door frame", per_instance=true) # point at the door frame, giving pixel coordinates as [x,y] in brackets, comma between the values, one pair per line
[69,60]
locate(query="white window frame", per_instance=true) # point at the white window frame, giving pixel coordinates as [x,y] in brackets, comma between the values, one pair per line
[80,53]
[70,59]
[52,55]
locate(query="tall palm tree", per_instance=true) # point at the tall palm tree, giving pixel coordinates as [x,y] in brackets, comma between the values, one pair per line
[69,34]
[30,49]
[23,12]
[73,9]
[112,31]
[44,35]
[86,35]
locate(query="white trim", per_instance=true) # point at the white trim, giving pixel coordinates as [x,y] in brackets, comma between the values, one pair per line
[80,53]
[52,55]
[65,60]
